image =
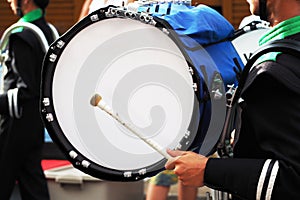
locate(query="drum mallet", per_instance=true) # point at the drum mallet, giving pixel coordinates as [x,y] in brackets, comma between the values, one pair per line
[97,101]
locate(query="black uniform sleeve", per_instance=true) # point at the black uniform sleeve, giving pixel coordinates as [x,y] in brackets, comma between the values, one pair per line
[267,159]
[28,58]
[236,176]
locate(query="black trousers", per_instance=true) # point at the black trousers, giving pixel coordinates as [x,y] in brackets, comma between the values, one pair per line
[26,171]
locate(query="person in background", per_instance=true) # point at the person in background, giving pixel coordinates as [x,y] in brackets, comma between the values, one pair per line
[266,162]
[159,187]
[21,127]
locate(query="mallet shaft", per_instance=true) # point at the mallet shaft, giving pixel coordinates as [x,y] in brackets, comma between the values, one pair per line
[97,101]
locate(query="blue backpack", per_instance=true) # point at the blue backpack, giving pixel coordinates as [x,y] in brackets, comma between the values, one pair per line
[204,38]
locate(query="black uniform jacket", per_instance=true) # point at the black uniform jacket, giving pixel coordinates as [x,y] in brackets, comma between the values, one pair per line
[21,128]
[267,154]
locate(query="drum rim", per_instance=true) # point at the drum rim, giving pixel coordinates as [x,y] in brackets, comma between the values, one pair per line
[55,131]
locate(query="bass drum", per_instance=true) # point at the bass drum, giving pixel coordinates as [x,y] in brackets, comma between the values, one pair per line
[246,39]
[141,73]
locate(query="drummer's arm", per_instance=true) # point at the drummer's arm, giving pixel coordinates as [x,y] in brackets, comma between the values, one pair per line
[246,178]
[241,177]
[236,176]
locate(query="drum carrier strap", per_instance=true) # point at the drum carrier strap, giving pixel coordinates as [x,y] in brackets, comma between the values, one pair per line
[5,39]
[35,29]
[287,46]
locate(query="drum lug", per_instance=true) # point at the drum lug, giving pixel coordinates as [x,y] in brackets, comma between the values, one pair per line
[60,44]
[217,94]
[187,134]
[49,117]
[46,101]
[130,15]
[191,71]
[85,163]
[112,12]
[145,18]
[52,57]
[230,93]
[116,12]
[142,171]
[73,154]
[195,87]
[94,18]
[127,174]
[179,146]
[164,30]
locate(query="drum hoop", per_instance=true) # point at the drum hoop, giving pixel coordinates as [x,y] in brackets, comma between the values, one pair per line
[49,115]
[253,26]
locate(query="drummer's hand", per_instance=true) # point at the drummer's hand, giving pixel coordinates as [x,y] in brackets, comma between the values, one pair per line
[189,167]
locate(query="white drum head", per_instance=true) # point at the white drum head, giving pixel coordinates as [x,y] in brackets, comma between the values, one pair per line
[141,73]
[247,43]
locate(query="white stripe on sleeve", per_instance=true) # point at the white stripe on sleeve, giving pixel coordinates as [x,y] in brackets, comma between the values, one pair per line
[10,104]
[13,107]
[272,180]
[262,179]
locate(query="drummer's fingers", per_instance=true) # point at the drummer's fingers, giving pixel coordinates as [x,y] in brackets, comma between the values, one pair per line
[180,171]
[171,163]
[174,153]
